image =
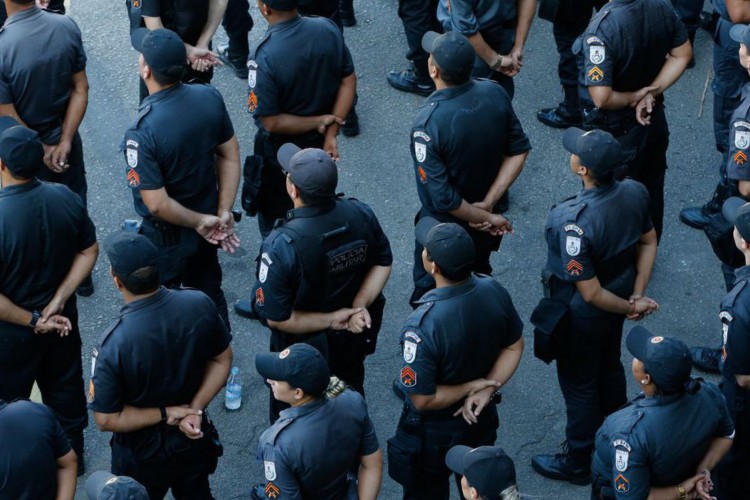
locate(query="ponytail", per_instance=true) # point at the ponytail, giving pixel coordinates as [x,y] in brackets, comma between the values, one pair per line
[335,387]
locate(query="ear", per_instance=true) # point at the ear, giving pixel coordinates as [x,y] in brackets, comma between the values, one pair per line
[299,393]
[474,493]
[583,171]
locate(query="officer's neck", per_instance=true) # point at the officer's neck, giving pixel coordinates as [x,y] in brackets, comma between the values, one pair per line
[442,282]
[746,253]
[280,16]
[588,182]
[13,8]
[154,87]
[131,297]
[299,402]
[7,180]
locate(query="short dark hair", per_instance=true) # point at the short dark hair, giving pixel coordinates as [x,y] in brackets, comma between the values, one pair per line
[452,79]
[23,176]
[454,276]
[140,281]
[312,199]
[168,77]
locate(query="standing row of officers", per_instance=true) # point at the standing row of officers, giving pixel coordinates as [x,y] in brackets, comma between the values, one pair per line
[325,261]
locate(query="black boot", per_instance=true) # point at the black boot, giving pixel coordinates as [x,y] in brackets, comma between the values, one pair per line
[699,217]
[571,466]
[566,114]
[411,80]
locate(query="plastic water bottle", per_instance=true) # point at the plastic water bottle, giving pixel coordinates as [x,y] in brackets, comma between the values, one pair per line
[233,395]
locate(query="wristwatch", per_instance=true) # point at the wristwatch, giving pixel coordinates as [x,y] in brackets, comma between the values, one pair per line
[163,411]
[498,63]
[497,397]
[35,315]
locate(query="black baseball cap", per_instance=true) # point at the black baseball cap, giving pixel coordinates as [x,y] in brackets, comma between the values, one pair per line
[284,5]
[598,150]
[103,485]
[487,468]
[129,251]
[447,243]
[740,33]
[162,49]
[666,359]
[312,170]
[452,52]
[737,212]
[300,365]
[21,149]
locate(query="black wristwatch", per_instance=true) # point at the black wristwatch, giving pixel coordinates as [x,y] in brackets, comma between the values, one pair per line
[163,411]
[497,397]
[35,315]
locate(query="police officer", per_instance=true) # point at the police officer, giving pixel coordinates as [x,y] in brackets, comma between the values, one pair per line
[183,167]
[569,19]
[735,357]
[496,30]
[460,346]
[625,66]
[602,276]
[418,17]
[44,87]
[729,80]
[153,373]
[310,451]
[52,5]
[486,472]
[36,460]
[468,147]
[289,102]
[41,222]
[667,440]
[323,269]
[237,22]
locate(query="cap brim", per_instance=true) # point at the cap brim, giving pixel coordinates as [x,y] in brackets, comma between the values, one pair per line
[96,482]
[737,32]
[136,38]
[268,365]
[7,122]
[423,228]
[428,41]
[730,208]
[284,156]
[454,459]
[638,339]
[570,139]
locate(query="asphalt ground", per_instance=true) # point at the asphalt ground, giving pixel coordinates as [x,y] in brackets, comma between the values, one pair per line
[376,168]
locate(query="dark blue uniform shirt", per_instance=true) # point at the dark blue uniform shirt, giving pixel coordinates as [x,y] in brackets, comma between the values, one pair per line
[659,441]
[625,44]
[495,19]
[31,442]
[172,145]
[309,451]
[582,243]
[460,137]
[738,167]
[156,353]
[297,68]
[735,319]
[456,334]
[43,225]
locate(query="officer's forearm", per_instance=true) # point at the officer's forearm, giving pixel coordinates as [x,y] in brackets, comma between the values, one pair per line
[301,322]
[673,68]
[739,11]
[130,419]
[608,98]
[645,259]
[505,364]
[67,472]
[11,313]
[216,10]
[372,286]
[160,205]
[526,10]
[77,104]
[153,23]
[469,213]
[83,263]
[228,173]
[484,51]
[506,176]
[601,298]
[217,370]
[286,124]
[370,476]
[719,447]
[445,396]
[344,102]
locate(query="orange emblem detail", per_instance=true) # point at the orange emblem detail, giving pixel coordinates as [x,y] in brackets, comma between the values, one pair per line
[422,175]
[595,74]
[134,180]
[252,102]
[91,391]
[272,491]
[260,297]
[740,158]
[408,376]
[574,268]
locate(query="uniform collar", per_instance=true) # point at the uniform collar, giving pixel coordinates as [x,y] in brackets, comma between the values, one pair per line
[596,191]
[3,404]
[310,211]
[741,273]
[285,25]
[299,411]
[162,94]
[24,14]
[448,292]
[19,188]
[141,303]
[659,400]
[451,92]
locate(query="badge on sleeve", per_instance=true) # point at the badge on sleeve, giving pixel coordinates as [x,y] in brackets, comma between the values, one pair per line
[741,139]
[740,158]
[595,74]
[597,54]
[622,485]
[270,469]
[91,391]
[422,175]
[574,228]
[134,180]
[410,351]
[574,268]
[420,151]
[252,102]
[131,153]
[260,297]
[265,263]
[252,72]
[272,491]
[408,377]
[573,245]
[622,454]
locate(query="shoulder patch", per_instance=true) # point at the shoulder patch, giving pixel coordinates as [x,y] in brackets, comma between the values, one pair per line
[595,74]
[411,344]
[597,54]
[622,454]
[252,73]
[622,485]
[105,334]
[408,376]
[572,227]
[269,468]
[412,336]
[573,245]
[731,297]
[265,263]
[595,40]
[272,491]
[741,123]
[422,135]
[415,319]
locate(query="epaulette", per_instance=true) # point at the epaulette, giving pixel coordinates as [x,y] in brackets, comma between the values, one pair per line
[590,31]
[105,335]
[424,113]
[276,429]
[415,319]
[731,297]
[141,113]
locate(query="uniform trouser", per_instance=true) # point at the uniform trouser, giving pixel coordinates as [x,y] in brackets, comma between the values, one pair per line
[185,472]
[54,363]
[591,376]
[237,23]
[274,201]
[418,17]
[322,8]
[75,176]
[689,12]
[647,146]
[429,439]
[734,469]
